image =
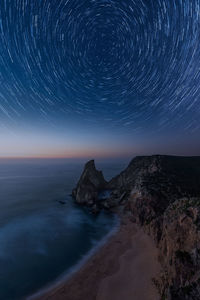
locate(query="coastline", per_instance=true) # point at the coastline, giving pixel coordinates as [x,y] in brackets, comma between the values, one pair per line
[66,276]
[122,266]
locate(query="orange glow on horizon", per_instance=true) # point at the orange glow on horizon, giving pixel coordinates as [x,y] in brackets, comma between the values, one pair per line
[67,155]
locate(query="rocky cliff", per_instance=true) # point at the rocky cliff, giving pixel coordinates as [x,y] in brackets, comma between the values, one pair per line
[163,195]
[179,248]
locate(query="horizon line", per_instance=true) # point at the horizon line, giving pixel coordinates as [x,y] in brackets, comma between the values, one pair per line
[89,157]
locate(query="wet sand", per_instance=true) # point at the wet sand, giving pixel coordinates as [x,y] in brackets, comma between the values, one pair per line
[123,268]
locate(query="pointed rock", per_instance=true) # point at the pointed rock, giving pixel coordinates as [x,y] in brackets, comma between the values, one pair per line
[90,183]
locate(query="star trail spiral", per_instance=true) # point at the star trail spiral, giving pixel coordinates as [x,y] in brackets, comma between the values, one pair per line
[129,65]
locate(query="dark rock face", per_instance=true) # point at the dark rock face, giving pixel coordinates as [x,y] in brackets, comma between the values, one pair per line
[90,183]
[179,248]
[153,182]
[163,195]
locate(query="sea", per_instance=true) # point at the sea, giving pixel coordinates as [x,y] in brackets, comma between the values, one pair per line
[44,235]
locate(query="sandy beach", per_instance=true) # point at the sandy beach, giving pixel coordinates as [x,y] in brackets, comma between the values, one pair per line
[123,268]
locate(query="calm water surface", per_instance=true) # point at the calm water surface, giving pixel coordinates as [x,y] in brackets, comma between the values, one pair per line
[41,239]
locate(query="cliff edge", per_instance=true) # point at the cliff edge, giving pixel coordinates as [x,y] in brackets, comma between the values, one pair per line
[162,194]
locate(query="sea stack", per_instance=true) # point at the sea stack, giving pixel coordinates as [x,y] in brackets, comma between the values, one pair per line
[90,183]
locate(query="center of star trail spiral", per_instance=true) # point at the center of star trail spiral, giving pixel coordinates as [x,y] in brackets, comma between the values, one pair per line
[132,63]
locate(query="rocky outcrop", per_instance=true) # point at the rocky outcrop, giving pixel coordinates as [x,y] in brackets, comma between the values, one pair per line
[89,185]
[162,193]
[154,182]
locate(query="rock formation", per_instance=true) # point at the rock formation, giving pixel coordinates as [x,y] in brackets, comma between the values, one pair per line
[163,195]
[89,185]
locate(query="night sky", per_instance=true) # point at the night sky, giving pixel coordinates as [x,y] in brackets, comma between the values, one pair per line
[99,78]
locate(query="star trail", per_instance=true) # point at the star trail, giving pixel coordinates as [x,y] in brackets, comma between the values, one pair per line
[123,70]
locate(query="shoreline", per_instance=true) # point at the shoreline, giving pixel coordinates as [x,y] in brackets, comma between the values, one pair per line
[119,268]
[66,276]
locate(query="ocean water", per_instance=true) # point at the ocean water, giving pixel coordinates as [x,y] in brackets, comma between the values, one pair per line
[40,238]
